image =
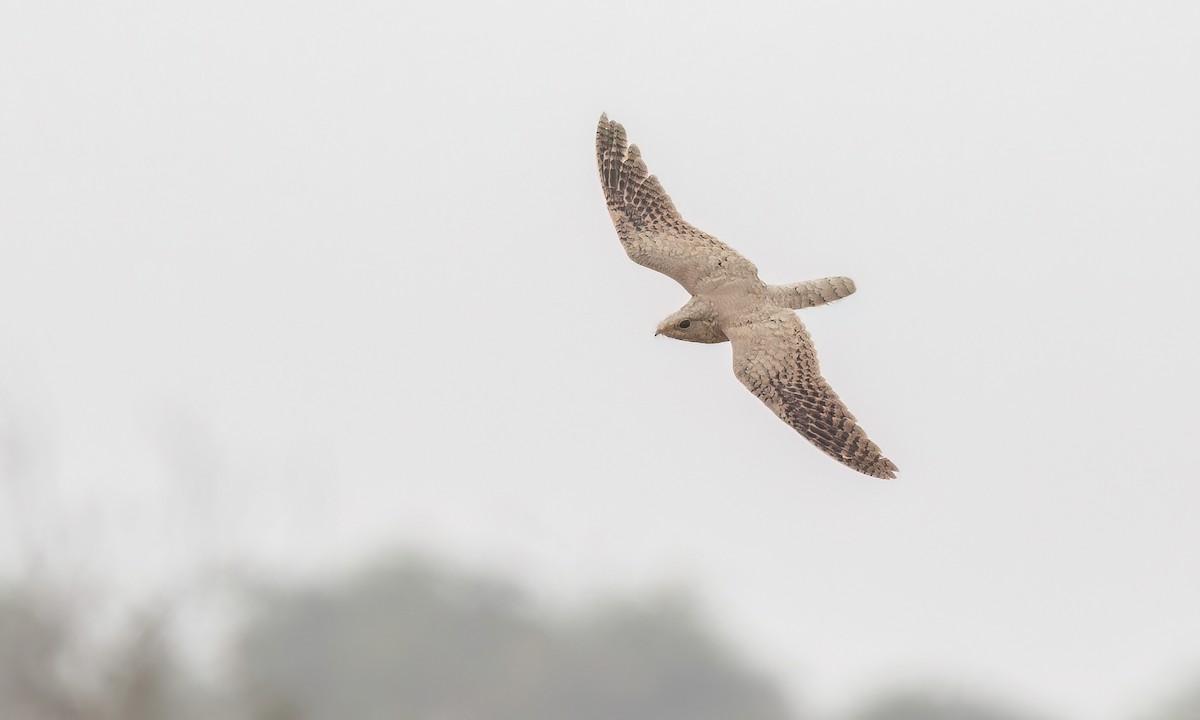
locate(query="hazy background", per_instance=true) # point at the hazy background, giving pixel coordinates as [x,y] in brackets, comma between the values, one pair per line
[287,289]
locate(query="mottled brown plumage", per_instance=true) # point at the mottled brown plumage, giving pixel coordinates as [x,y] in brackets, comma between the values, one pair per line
[773,355]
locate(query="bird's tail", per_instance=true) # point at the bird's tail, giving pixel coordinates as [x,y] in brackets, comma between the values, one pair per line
[811,292]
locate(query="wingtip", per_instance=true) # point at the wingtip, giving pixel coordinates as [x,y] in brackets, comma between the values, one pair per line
[610,126]
[879,467]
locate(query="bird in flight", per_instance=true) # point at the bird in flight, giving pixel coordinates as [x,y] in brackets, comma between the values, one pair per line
[773,355]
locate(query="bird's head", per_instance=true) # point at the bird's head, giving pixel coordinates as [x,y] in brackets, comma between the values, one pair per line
[694,322]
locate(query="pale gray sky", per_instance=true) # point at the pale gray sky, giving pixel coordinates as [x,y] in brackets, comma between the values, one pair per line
[342,273]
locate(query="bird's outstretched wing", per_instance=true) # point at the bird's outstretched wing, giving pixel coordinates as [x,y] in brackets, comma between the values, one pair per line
[776,361]
[652,231]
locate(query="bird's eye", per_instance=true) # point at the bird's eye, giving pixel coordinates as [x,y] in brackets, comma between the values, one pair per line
[685,324]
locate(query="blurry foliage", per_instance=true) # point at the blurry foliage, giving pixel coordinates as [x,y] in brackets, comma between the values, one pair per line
[935,706]
[40,636]
[33,643]
[409,641]
[1184,707]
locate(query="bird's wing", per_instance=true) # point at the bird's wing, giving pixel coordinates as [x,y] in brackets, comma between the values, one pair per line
[775,360]
[652,231]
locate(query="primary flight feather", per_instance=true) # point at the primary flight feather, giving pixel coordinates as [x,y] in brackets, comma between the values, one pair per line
[773,355]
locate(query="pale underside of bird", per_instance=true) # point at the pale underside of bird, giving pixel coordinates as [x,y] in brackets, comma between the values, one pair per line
[773,355]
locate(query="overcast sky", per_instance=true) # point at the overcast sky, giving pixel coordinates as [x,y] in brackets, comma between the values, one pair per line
[315,279]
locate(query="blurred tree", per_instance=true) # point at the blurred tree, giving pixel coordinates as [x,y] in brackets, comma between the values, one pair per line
[648,660]
[1184,707]
[34,637]
[914,705]
[414,642]
[41,677]
[142,676]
